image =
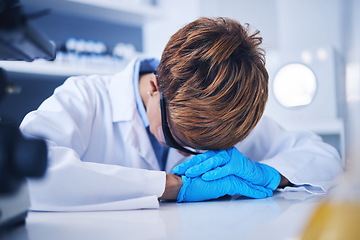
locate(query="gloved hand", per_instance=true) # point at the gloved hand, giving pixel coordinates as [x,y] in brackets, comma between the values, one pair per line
[196,189]
[213,165]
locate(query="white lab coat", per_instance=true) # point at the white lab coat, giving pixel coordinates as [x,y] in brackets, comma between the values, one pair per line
[100,156]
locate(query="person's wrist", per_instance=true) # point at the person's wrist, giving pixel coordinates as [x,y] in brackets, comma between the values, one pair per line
[284,182]
[172,187]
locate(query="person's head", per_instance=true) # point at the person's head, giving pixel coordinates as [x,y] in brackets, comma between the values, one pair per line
[212,75]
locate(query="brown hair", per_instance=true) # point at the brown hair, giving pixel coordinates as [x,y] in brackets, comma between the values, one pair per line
[213,77]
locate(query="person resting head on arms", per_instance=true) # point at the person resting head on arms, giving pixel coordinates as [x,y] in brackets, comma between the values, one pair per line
[206,97]
[212,75]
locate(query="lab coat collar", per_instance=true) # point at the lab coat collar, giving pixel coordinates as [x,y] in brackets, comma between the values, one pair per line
[137,137]
[121,91]
[121,84]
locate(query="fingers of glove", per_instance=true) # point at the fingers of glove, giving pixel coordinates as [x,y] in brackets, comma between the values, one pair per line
[274,177]
[233,162]
[195,189]
[181,168]
[259,192]
[248,189]
[220,159]
[218,173]
[261,174]
[245,168]
[234,152]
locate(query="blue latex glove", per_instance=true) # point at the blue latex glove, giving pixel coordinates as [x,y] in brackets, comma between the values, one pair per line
[196,189]
[214,165]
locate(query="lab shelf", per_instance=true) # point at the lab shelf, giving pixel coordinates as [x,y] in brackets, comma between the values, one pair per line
[123,12]
[53,68]
[132,13]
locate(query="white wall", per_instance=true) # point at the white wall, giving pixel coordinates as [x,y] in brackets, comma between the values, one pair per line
[288,27]
[352,40]
[175,15]
[260,14]
[352,50]
[308,26]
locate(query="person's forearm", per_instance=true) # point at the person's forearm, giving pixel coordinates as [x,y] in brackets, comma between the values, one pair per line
[172,187]
[174,184]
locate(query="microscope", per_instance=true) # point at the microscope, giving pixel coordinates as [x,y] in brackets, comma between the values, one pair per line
[20,158]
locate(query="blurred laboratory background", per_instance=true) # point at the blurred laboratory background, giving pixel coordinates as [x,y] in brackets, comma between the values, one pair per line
[312,50]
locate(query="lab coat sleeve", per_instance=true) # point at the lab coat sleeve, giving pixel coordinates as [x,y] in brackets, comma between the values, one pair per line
[302,157]
[64,120]
[73,185]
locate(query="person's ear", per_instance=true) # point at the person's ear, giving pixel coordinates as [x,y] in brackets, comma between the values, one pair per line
[154,84]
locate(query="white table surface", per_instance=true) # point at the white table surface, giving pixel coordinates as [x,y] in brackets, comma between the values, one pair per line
[282,216]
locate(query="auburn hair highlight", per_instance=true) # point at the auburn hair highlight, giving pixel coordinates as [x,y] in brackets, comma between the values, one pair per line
[212,74]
